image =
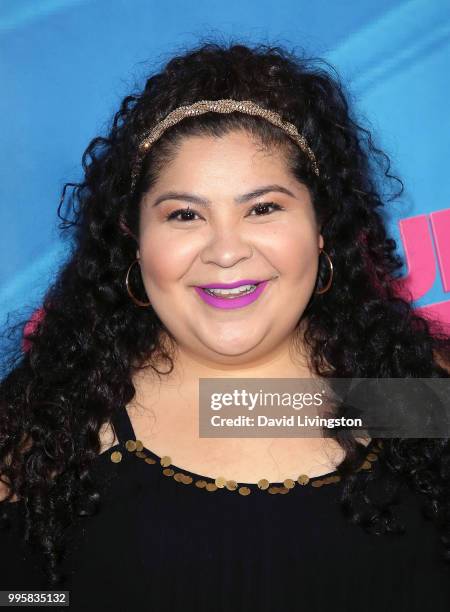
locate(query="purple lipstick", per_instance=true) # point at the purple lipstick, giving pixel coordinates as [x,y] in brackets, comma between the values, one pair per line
[250,291]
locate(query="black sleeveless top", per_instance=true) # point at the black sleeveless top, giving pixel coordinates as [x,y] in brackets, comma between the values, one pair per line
[166,539]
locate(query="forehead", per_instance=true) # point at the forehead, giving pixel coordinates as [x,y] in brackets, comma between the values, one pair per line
[237,155]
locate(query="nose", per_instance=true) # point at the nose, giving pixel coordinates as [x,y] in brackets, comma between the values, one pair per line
[226,247]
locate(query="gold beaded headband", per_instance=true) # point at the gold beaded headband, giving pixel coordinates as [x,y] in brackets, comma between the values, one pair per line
[217,106]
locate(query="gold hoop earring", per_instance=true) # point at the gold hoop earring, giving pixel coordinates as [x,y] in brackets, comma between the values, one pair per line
[130,293]
[328,285]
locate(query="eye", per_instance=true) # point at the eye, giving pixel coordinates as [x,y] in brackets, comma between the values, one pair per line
[182,211]
[264,205]
[187,214]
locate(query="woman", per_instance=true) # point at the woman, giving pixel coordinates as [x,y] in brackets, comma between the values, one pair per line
[234,165]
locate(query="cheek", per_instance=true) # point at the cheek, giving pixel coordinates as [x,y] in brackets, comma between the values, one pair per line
[293,249]
[165,257]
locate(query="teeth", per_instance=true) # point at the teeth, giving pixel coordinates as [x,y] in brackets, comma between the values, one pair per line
[243,289]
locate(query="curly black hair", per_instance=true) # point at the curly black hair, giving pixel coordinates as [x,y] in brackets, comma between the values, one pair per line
[77,369]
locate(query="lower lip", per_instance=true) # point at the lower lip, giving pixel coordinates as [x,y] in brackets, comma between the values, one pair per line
[237,302]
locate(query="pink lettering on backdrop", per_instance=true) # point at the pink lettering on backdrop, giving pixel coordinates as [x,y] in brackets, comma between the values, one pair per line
[440,224]
[422,259]
[419,256]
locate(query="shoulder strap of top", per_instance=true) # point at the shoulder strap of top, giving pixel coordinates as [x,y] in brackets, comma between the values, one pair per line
[122,425]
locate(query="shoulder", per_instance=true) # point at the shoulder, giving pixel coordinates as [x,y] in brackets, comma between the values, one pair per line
[107,437]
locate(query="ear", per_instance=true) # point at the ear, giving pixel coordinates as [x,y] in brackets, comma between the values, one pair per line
[137,254]
[321,241]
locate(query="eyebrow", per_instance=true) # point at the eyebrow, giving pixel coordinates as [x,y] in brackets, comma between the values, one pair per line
[194,199]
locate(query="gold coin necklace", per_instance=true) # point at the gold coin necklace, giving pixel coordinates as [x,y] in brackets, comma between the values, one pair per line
[209,484]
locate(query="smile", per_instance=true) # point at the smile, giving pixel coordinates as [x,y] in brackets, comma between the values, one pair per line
[237,297]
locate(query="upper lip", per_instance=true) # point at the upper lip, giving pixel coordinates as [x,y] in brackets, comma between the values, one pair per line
[245,281]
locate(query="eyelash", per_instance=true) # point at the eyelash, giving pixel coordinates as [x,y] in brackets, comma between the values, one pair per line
[172,216]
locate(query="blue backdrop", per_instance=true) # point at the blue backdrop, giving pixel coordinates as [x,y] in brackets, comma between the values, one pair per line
[66,64]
